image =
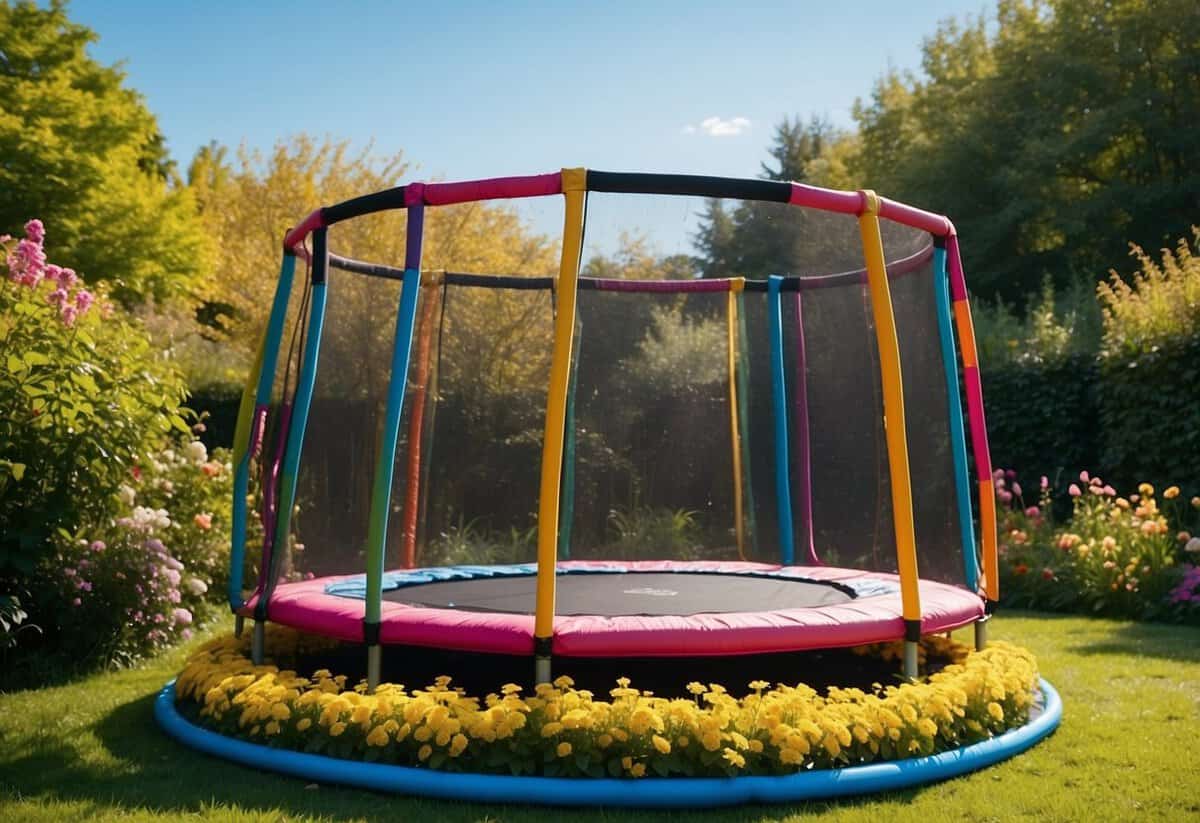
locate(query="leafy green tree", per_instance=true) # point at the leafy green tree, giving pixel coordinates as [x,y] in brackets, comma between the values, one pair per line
[753,239]
[1053,136]
[81,151]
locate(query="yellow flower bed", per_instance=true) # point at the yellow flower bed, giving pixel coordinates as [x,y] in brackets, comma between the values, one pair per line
[560,730]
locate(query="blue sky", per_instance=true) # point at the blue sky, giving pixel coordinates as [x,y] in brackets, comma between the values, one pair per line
[470,89]
[485,89]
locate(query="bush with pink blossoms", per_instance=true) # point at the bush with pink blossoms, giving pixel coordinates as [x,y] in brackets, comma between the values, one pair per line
[1122,556]
[115,595]
[83,397]
[195,490]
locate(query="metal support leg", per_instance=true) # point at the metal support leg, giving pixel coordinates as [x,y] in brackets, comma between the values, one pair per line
[258,641]
[374,662]
[239,624]
[911,667]
[541,669]
[981,632]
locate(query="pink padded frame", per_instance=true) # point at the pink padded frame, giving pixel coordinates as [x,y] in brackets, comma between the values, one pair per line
[877,619]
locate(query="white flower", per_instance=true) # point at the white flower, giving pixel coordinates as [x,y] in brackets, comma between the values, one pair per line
[127,495]
[196,586]
[1192,545]
[196,452]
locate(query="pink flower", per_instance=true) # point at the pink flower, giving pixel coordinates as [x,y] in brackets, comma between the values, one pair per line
[58,297]
[186,634]
[53,272]
[67,278]
[1033,511]
[68,314]
[76,602]
[1074,491]
[1016,488]
[1004,495]
[35,231]
[203,520]
[84,300]
[1045,482]
[182,617]
[1109,491]
[1083,476]
[98,546]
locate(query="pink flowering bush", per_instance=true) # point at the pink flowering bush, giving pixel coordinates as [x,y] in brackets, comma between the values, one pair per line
[83,397]
[1124,556]
[194,489]
[118,596]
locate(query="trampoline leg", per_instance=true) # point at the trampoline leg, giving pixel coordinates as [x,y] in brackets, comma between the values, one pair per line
[981,632]
[910,659]
[541,669]
[239,624]
[374,662]
[257,642]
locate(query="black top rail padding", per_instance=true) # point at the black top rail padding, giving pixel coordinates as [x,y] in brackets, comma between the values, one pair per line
[688,184]
[367,204]
[370,269]
[497,281]
[897,268]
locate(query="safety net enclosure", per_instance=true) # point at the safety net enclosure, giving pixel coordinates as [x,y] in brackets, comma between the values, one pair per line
[574,419]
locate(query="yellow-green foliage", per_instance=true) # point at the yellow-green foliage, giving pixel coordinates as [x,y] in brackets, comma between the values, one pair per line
[560,730]
[1159,304]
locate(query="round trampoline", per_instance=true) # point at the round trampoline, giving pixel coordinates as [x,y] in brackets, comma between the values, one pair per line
[724,451]
[633,609]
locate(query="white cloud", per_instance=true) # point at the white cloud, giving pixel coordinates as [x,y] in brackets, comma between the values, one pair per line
[717,127]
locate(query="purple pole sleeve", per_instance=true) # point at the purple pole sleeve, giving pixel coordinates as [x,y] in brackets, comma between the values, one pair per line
[803,445]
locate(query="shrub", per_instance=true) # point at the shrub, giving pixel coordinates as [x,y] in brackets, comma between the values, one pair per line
[82,396]
[1114,555]
[117,594]
[196,488]
[1149,397]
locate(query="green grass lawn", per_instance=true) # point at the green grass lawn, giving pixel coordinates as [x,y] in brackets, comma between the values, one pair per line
[1127,748]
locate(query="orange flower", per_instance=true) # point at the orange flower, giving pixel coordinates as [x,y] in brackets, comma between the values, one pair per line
[203,520]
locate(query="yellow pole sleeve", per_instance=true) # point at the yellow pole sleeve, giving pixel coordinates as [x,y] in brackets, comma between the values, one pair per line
[893,406]
[735,437]
[574,183]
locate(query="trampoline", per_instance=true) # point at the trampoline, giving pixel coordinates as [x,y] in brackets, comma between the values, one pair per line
[574,447]
[710,430]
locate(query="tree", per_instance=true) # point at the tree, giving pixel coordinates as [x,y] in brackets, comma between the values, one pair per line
[82,152]
[756,239]
[1052,138]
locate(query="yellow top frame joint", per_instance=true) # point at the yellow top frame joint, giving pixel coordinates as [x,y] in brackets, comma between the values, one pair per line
[574,180]
[870,201]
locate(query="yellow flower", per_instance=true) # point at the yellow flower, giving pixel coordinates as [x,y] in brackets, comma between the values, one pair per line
[627,762]
[604,741]
[696,688]
[662,744]
[458,745]
[377,737]
[759,685]
[563,682]
[336,729]
[551,729]
[424,752]
[996,711]
[733,758]
[303,724]
[280,711]
[638,770]
[1171,493]
[272,727]
[563,749]
[682,742]
[927,727]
